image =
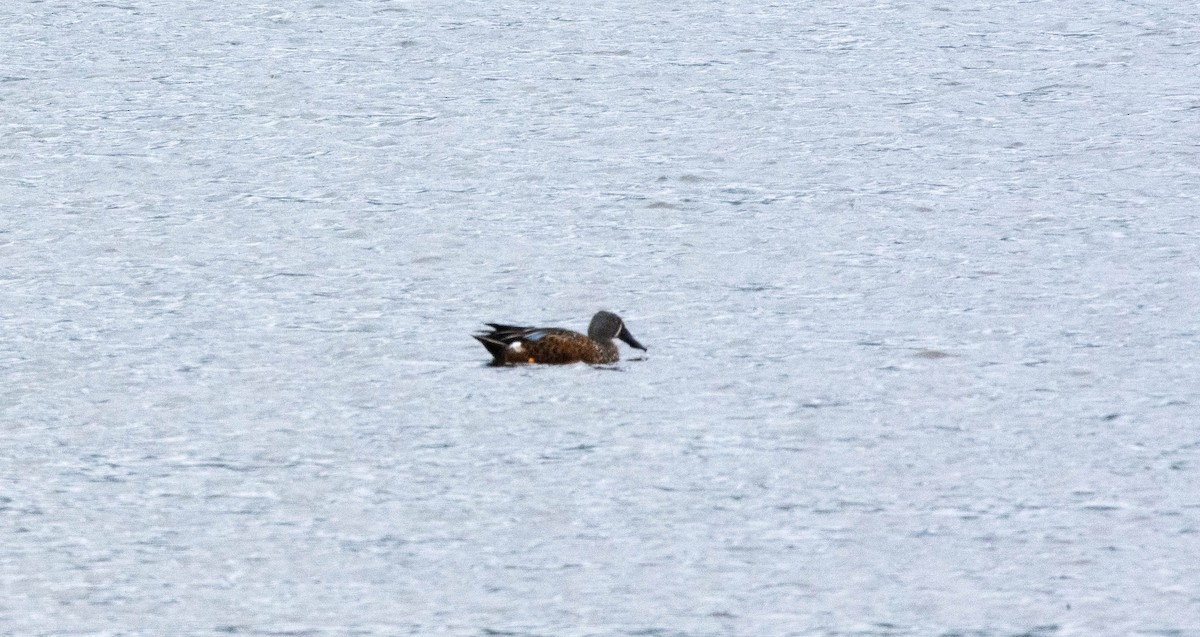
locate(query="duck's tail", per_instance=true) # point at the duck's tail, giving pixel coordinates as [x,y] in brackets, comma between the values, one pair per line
[496,348]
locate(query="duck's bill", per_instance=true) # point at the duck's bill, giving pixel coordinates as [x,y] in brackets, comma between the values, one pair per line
[628,338]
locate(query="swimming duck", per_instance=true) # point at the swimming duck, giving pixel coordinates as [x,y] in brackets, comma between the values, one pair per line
[511,344]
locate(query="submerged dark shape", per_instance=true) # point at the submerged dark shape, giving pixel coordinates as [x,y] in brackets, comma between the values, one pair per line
[512,344]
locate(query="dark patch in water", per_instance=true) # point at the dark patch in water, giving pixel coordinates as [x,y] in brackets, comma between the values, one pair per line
[931,354]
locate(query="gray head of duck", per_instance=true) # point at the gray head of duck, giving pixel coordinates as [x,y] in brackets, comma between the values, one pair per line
[606,326]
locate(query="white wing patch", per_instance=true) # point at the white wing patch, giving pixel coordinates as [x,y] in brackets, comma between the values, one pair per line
[516,346]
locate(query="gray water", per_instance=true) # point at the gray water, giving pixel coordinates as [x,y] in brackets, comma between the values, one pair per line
[919,284]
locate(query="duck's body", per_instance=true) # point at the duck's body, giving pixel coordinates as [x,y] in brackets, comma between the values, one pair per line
[512,344]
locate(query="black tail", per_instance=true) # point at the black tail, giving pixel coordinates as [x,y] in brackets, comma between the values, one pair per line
[496,348]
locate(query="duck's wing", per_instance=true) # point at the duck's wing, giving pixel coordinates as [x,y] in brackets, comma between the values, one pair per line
[508,333]
[500,327]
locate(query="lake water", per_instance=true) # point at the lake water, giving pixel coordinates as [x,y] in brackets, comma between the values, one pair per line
[919,282]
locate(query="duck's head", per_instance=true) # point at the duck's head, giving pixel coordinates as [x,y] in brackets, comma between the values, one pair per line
[607,326]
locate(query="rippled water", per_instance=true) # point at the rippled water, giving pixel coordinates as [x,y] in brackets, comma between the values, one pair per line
[918,282]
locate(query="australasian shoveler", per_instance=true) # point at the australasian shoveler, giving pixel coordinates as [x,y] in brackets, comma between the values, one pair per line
[511,344]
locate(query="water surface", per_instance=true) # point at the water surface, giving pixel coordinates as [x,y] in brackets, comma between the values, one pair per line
[918,285]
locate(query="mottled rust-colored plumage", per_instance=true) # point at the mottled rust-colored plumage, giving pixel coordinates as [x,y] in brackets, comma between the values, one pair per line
[512,344]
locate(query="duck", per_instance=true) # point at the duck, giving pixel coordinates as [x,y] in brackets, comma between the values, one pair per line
[516,345]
